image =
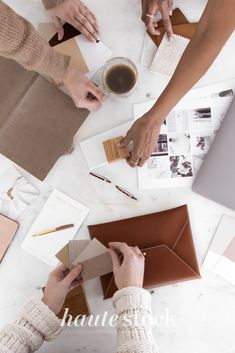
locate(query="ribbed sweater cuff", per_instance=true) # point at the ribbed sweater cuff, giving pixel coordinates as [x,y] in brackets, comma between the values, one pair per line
[49,4]
[131,298]
[42,318]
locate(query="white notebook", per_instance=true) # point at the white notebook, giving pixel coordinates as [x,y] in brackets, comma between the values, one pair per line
[59,210]
[93,149]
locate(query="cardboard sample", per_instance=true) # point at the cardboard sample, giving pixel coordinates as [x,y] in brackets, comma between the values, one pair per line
[113,152]
[92,255]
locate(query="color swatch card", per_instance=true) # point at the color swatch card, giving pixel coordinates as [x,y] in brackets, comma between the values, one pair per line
[221,255]
[59,210]
[85,55]
[93,148]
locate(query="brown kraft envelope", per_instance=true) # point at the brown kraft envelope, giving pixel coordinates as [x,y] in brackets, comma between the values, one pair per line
[38,122]
[180,26]
[166,239]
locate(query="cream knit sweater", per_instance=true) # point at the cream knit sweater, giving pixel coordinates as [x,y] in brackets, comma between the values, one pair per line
[20,41]
[37,323]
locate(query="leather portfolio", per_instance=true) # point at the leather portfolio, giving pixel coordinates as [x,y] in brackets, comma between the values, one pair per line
[37,121]
[180,26]
[166,239]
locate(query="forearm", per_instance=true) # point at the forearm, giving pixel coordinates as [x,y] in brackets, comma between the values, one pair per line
[20,41]
[36,324]
[134,329]
[214,28]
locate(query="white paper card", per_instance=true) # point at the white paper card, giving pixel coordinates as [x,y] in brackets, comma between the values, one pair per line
[59,210]
[94,54]
[93,149]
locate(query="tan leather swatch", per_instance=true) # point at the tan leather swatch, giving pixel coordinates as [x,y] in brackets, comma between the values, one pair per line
[113,152]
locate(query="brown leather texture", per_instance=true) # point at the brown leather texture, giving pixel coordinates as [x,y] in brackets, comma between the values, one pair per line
[180,26]
[76,303]
[165,237]
[37,121]
[69,32]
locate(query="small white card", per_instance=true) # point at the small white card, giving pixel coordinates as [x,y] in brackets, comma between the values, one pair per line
[93,149]
[59,210]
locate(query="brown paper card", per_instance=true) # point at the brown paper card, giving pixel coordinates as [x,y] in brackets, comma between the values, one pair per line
[97,266]
[75,248]
[63,256]
[178,21]
[113,152]
[8,229]
[71,49]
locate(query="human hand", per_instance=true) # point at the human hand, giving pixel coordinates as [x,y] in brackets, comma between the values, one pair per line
[150,9]
[128,272]
[144,135]
[84,92]
[78,15]
[60,282]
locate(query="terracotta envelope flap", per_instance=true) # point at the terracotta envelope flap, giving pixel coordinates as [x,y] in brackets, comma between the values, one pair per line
[160,233]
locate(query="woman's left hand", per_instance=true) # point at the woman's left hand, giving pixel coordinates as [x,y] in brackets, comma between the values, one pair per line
[60,282]
[78,15]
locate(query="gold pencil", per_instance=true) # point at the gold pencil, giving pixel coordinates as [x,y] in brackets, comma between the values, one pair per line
[53,230]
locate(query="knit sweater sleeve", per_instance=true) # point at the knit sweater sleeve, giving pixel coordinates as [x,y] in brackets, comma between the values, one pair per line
[20,41]
[36,324]
[134,328]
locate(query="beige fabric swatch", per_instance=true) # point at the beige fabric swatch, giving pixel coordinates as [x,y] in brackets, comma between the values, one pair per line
[168,55]
[94,248]
[97,266]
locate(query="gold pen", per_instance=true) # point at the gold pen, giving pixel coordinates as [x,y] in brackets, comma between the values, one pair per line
[53,230]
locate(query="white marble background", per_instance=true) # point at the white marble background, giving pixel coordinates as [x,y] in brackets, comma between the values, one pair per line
[204,310]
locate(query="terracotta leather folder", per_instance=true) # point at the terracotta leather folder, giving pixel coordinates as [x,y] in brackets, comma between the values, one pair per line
[37,121]
[8,229]
[180,25]
[166,239]
[76,302]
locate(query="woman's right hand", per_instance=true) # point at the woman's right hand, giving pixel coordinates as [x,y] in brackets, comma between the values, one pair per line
[84,92]
[128,265]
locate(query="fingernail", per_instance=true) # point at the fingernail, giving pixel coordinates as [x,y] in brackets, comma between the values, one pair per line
[170,13]
[60,36]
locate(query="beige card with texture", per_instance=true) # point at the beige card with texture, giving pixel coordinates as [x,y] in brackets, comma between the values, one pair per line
[70,48]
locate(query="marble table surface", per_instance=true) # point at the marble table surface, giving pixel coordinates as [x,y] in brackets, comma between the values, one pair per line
[196,316]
